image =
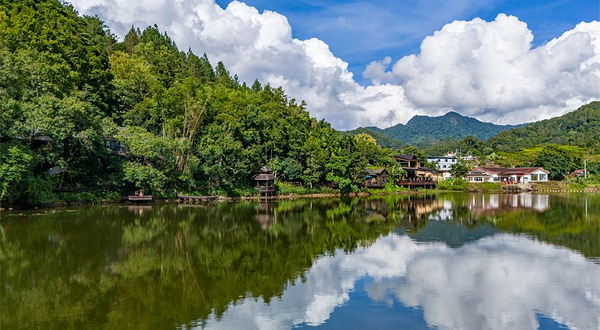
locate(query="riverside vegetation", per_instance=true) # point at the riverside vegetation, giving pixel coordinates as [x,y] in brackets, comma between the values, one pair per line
[190,127]
[187,126]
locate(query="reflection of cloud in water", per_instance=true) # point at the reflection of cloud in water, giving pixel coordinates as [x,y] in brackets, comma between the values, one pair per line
[499,282]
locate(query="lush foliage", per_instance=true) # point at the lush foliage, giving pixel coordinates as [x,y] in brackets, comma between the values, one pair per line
[459,170]
[453,184]
[580,128]
[66,92]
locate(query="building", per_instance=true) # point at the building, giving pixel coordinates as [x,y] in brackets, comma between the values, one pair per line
[265,181]
[443,164]
[507,175]
[416,175]
[376,177]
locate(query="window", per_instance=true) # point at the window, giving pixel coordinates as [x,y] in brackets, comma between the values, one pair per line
[534,177]
[496,179]
[542,177]
[478,179]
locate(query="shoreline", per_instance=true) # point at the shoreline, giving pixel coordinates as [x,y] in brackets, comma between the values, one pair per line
[62,203]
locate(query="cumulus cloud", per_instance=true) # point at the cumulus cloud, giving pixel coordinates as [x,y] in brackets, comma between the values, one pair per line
[260,45]
[500,282]
[482,69]
[489,70]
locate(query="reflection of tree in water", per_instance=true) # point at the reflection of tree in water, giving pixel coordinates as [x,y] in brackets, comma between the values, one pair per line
[572,221]
[168,266]
[164,267]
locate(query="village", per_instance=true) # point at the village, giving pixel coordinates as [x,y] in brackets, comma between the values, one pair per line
[417,174]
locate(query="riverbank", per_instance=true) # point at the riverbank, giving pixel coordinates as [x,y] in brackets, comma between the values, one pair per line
[112,198]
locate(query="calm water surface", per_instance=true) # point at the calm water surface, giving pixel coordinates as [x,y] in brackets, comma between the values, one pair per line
[454,261]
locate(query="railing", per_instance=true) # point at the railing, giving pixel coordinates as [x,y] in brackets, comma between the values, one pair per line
[416,181]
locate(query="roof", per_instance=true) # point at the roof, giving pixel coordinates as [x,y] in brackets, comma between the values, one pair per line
[264,177]
[407,157]
[440,157]
[477,173]
[509,171]
[376,171]
[264,174]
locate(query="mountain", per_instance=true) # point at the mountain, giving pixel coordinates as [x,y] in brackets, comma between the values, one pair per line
[424,131]
[421,131]
[580,128]
[377,133]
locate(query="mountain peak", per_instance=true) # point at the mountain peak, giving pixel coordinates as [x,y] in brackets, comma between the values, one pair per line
[423,130]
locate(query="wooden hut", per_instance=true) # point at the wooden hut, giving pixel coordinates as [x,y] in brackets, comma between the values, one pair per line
[265,181]
[376,177]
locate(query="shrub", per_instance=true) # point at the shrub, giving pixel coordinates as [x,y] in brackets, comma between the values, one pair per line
[453,184]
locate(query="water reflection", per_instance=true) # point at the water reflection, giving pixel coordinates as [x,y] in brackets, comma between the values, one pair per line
[500,282]
[490,204]
[460,261]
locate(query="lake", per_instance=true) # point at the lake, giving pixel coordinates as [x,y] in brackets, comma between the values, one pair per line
[448,261]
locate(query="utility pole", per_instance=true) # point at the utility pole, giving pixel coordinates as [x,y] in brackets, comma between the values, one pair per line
[587,156]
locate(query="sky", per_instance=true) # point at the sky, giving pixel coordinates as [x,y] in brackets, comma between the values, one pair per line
[380,62]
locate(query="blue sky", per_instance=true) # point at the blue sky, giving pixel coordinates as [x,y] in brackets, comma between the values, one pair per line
[360,32]
[482,63]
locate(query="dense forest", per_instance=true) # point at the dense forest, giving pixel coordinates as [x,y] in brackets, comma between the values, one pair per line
[69,89]
[579,128]
[426,132]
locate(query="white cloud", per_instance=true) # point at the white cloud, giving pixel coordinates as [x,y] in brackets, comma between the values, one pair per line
[499,282]
[260,45]
[489,70]
[470,67]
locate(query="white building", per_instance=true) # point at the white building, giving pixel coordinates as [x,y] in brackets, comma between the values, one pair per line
[442,163]
[509,175]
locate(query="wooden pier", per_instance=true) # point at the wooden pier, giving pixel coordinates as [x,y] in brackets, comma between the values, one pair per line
[139,198]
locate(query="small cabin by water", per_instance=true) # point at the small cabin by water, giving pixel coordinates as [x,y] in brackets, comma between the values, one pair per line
[376,177]
[265,181]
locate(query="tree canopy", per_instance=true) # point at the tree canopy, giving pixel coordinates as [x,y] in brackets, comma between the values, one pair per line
[69,88]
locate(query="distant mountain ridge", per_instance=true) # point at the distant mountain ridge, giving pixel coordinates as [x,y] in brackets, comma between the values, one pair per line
[580,127]
[422,131]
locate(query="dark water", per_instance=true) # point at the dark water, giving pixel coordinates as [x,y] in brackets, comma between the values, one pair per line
[445,262]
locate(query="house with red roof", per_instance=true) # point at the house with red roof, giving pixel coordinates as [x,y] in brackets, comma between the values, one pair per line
[507,175]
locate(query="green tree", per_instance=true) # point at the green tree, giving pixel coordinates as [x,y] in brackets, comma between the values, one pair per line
[459,170]
[557,161]
[411,150]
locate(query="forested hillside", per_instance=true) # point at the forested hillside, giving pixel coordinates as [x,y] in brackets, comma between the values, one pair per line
[67,87]
[381,138]
[425,131]
[578,128]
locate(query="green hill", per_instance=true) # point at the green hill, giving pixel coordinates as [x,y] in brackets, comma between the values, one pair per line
[382,139]
[425,131]
[580,128]
[422,131]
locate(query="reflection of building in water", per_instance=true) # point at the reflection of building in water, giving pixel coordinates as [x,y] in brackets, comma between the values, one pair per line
[265,215]
[139,210]
[376,210]
[490,203]
[443,214]
[417,208]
